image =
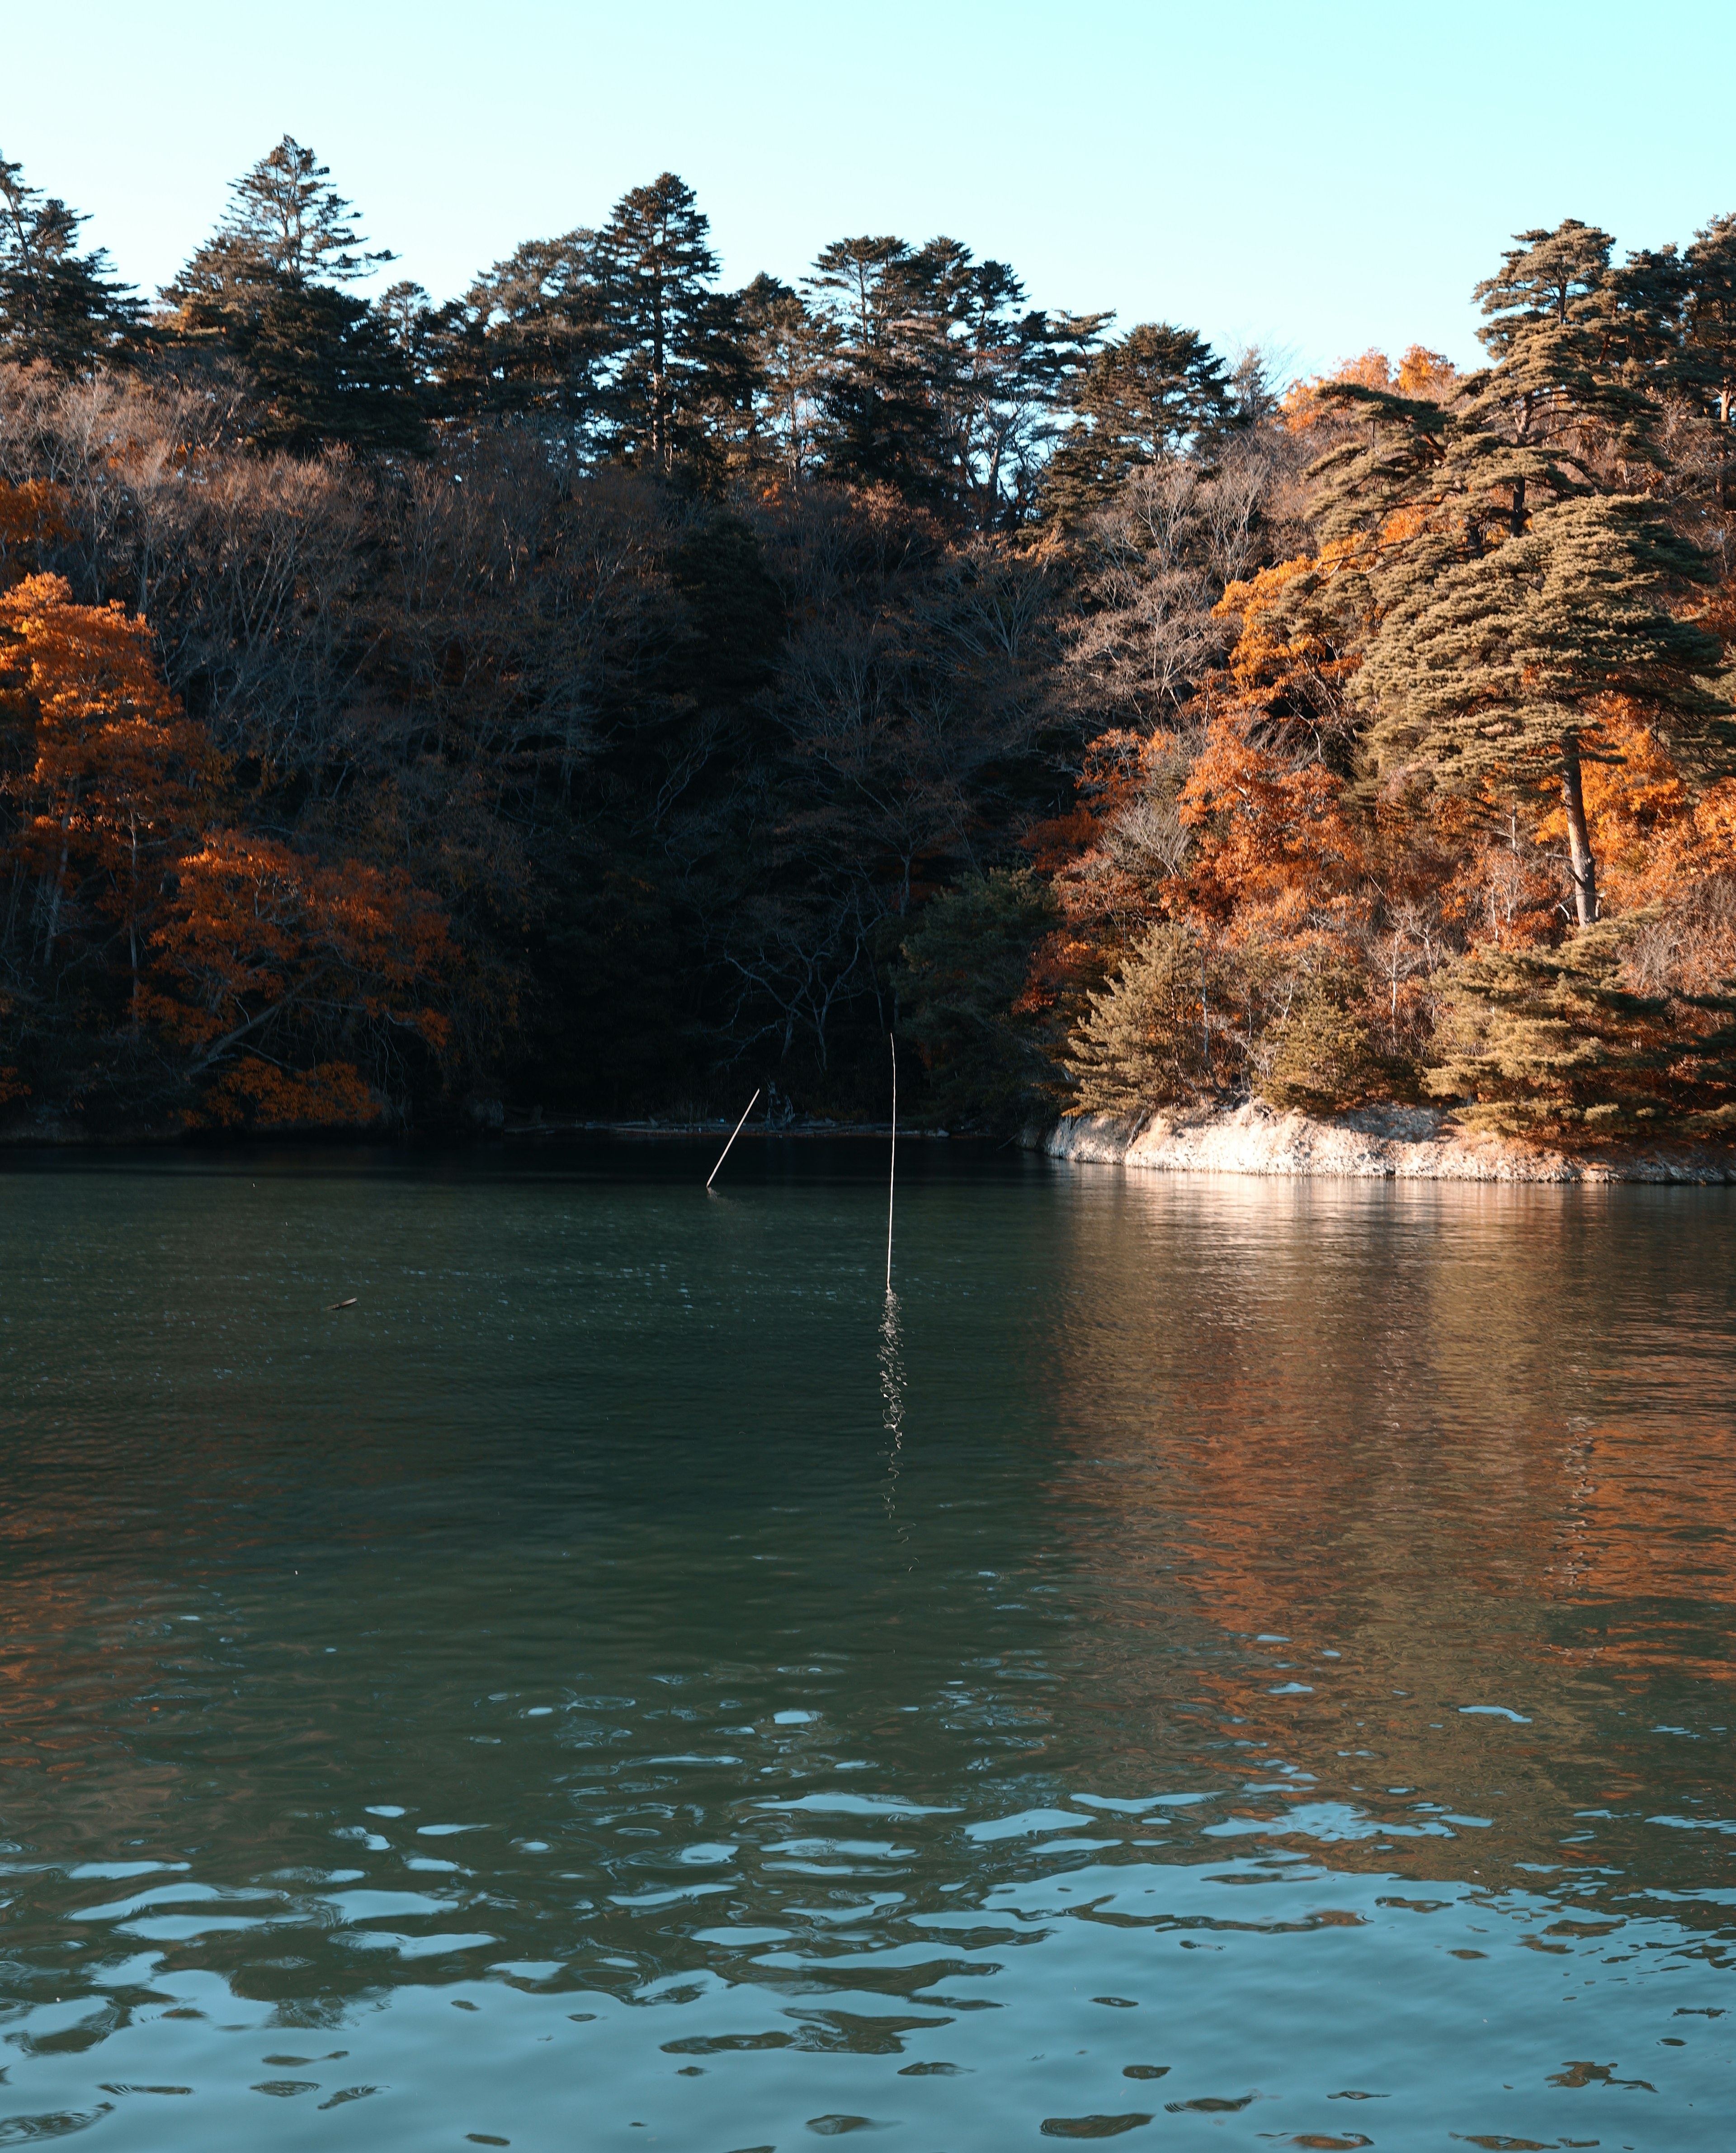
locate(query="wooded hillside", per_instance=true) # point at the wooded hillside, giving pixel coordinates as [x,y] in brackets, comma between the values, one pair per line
[607,691]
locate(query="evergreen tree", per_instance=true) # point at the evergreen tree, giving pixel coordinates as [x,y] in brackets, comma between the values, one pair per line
[879,422]
[531,338]
[1554,415]
[326,368]
[284,220]
[1499,660]
[1709,308]
[790,349]
[1326,1054]
[1557,1042]
[1147,1039]
[656,266]
[1157,391]
[56,306]
[1506,556]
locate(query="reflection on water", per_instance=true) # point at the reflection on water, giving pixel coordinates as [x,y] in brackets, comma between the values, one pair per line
[892,1395]
[1228,1662]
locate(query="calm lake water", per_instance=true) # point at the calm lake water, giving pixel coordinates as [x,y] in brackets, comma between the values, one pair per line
[1221,1662]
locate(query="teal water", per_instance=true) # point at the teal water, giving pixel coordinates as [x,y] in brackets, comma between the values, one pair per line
[1221,1662]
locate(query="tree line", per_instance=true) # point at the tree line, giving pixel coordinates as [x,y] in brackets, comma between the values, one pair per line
[604,685]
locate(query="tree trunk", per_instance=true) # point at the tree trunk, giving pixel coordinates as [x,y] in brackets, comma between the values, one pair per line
[1516,520]
[1579,838]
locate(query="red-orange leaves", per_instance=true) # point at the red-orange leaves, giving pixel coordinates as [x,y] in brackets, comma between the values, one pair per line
[105,777]
[1271,846]
[260,940]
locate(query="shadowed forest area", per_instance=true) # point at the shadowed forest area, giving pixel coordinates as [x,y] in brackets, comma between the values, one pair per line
[607,692]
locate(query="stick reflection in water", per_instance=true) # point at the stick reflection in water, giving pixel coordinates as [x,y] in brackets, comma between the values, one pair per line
[892,1405]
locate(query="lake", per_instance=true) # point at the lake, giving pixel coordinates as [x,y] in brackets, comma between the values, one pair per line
[1215,1662]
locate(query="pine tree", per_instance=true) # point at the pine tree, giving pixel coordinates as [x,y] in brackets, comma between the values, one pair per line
[1497,661]
[530,339]
[1157,390]
[1506,558]
[265,287]
[1559,1042]
[58,307]
[790,349]
[1326,1054]
[1709,308]
[879,422]
[284,220]
[1553,414]
[1147,1039]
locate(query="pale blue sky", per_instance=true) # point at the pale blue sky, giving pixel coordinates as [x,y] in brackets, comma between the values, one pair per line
[1319,176]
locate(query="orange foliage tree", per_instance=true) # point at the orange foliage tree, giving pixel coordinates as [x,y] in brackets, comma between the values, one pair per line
[105,778]
[266,958]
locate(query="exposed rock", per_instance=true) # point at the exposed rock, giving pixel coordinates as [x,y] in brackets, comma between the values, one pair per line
[1422,1143]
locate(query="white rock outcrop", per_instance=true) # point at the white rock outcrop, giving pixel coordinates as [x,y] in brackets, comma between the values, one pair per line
[1421,1143]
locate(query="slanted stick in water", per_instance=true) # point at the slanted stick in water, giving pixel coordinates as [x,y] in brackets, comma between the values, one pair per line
[734,1133]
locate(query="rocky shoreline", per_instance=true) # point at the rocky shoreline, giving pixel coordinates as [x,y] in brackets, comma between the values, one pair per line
[1404,1144]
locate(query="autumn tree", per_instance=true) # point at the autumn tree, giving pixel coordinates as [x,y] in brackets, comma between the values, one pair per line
[104,778]
[284,984]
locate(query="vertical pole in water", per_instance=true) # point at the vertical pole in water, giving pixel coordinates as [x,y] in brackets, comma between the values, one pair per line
[891,1174]
[734,1133]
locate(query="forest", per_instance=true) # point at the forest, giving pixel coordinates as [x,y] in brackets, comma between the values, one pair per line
[606,692]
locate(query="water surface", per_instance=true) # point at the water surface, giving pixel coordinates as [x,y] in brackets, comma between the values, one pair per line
[1215,1661]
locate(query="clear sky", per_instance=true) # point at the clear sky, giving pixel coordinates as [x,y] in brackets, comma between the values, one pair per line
[1314,176]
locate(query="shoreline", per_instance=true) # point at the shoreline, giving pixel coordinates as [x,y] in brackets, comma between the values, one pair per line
[1388,1143]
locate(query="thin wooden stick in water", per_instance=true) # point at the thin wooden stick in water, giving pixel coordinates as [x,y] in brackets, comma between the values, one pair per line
[734,1133]
[891,1174]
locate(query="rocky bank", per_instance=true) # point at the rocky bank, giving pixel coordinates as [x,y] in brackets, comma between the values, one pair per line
[1420,1143]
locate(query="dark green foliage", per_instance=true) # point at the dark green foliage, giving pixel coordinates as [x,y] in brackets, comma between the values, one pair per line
[1563,1043]
[326,368]
[1156,390]
[1709,338]
[962,970]
[284,219]
[58,307]
[670,340]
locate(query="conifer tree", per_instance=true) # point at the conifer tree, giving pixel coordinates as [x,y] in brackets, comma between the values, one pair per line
[57,305]
[530,337]
[657,266]
[880,423]
[284,220]
[266,288]
[1709,308]
[1499,660]
[1558,1042]
[1156,390]
[1148,1038]
[1508,554]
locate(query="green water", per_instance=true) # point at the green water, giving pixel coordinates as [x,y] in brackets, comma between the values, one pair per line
[1225,1663]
